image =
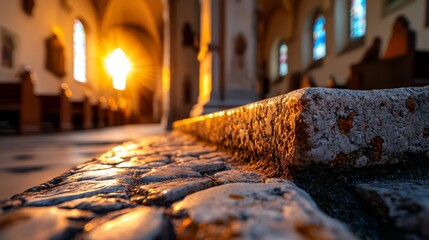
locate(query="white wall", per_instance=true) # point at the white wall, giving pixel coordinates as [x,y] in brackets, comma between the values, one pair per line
[274,34]
[32,31]
[335,63]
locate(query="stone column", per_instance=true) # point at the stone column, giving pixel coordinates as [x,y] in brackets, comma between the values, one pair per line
[180,70]
[227,55]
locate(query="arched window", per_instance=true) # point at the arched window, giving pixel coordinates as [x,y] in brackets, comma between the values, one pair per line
[319,38]
[79,51]
[283,64]
[357,18]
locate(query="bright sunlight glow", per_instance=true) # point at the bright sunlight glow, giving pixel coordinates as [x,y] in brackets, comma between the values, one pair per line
[118,67]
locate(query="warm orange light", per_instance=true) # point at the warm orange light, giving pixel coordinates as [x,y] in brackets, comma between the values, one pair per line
[58,32]
[118,67]
[166,79]
[205,88]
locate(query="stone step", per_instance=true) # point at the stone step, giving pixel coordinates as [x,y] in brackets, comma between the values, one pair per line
[318,126]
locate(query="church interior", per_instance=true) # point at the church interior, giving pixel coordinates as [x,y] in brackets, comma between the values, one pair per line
[92,64]
[214,119]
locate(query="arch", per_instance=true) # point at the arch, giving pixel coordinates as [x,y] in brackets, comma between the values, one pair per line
[319,37]
[140,13]
[79,51]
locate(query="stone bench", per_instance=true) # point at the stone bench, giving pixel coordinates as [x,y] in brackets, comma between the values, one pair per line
[317,126]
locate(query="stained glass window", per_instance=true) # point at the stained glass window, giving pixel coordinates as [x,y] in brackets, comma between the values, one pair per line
[319,38]
[357,18]
[79,48]
[283,65]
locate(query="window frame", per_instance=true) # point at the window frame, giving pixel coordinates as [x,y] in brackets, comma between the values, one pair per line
[282,42]
[315,63]
[354,43]
[316,17]
[85,50]
[349,30]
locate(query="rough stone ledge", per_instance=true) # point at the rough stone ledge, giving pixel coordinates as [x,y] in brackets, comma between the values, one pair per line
[318,126]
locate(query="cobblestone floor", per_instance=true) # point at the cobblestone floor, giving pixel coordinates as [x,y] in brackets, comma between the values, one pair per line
[174,186]
[164,187]
[30,160]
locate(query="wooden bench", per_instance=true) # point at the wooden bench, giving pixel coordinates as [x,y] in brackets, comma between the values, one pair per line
[82,114]
[402,65]
[119,115]
[105,117]
[115,114]
[97,116]
[110,114]
[56,111]
[410,70]
[19,106]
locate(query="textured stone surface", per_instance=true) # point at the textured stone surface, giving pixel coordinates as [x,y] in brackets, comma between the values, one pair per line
[405,204]
[42,223]
[276,210]
[204,165]
[140,223]
[97,175]
[168,173]
[71,191]
[322,126]
[155,171]
[160,193]
[231,176]
[98,204]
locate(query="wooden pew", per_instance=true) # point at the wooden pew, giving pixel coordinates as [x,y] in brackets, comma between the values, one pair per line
[409,70]
[105,118]
[119,117]
[97,116]
[56,111]
[82,114]
[121,112]
[402,65]
[19,106]
[110,114]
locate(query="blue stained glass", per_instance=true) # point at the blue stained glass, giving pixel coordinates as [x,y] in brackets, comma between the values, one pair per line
[357,18]
[283,65]
[79,52]
[319,38]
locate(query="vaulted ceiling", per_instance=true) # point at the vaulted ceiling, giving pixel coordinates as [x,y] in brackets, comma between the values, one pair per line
[135,26]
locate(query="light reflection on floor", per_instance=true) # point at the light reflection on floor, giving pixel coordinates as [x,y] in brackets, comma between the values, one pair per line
[26,161]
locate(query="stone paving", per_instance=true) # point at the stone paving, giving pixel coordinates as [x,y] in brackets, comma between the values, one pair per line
[27,160]
[164,187]
[173,186]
